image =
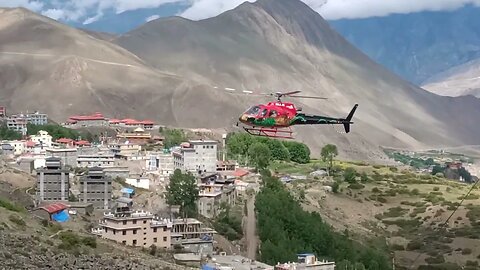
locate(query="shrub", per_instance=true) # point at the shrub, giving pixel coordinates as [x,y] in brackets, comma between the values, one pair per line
[435,260]
[393,169]
[69,240]
[414,245]
[472,263]
[382,200]
[466,251]
[376,190]
[17,220]
[436,189]
[153,250]
[335,187]
[90,241]
[448,189]
[470,196]
[11,206]
[397,247]
[415,192]
[395,212]
[356,186]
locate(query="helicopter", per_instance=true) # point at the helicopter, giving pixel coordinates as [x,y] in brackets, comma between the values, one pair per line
[276,118]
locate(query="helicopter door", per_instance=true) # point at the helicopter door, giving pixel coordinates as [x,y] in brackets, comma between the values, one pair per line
[264,113]
[273,114]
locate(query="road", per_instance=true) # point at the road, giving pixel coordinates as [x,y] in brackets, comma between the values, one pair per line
[250,230]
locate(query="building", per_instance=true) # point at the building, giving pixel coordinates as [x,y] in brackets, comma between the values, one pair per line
[135,228]
[17,123]
[96,160]
[197,156]
[162,162]
[138,136]
[192,235]
[53,181]
[37,118]
[7,150]
[3,112]
[96,188]
[42,138]
[236,262]
[20,147]
[68,156]
[94,120]
[215,190]
[132,123]
[128,151]
[139,182]
[306,261]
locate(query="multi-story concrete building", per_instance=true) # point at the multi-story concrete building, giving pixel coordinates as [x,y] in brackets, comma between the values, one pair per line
[128,151]
[42,138]
[67,155]
[96,160]
[162,162]
[17,123]
[53,181]
[37,118]
[197,156]
[214,190]
[96,188]
[192,235]
[136,228]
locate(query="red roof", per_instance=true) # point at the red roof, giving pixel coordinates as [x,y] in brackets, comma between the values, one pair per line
[82,143]
[54,207]
[93,117]
[64,140]
[241,172]
[31,144]
[147,122]
[114,121]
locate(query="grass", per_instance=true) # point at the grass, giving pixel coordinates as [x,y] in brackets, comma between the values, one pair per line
[17,220]
[294,168]
[11,206]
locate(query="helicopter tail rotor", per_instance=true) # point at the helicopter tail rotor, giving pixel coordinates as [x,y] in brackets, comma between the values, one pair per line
[348,121]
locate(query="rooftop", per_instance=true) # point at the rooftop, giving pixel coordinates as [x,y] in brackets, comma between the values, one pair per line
[54,207]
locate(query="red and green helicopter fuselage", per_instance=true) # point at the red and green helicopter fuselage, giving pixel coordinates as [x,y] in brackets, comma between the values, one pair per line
[283,114]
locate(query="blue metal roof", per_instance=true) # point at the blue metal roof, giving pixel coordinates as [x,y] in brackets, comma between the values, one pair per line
[127,190]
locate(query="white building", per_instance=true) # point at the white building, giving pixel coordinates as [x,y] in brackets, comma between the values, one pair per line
[37,118]
[96,160]
[162,162]
[306,261]
[140,182]
[197,156]
[20,147]
[42,138]
[17,123]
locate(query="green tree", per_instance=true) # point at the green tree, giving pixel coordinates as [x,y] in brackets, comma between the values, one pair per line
[437,169]
[278,150]
[8,134]
[329,152]
[299,152]
[259,155]
[173,137]
[57,132]
[238,144]
[364,178]
[183,191]
[335,187]
[350,175]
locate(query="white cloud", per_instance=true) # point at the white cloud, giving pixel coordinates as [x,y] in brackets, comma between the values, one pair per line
[151,18]
[30,4]
[56,14]
[336,9]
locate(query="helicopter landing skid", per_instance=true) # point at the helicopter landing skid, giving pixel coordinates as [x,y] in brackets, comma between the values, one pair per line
[282,133]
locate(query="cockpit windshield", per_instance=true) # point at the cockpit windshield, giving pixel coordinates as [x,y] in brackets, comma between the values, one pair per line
[253,110]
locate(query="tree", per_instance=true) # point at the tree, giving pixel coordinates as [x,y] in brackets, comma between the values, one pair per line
[173,137]
[364,177]
[239,143]
[329,151]
[335,187]
[299,152]
[57,132]
[278,150]
[437,169]
[8,134]
[259,155]
[183,191]
[350,175]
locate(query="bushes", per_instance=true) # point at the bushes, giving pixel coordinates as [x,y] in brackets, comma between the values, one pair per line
[17,220]
[395,212]
[228,225]
[356,186]
[72,242]
[435,260]
[414,245]
[466,251]
[11,206]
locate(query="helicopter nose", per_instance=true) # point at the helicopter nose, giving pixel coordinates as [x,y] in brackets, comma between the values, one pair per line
[243,118]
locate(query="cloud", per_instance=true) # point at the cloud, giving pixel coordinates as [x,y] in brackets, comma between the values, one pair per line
[352,9]
[30,4]
[336,9]
[56,14]
[151,18]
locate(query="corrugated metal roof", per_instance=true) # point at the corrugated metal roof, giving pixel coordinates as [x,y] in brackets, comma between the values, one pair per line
[54,207]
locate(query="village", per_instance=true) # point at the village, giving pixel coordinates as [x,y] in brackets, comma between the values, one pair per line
[121,186]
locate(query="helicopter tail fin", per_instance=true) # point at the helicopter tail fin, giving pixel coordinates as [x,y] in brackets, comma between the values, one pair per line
[348,121]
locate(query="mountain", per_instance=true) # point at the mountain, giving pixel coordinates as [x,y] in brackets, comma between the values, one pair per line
[458,81]
[167,68]
[47,66]
[283,45]
[417,46]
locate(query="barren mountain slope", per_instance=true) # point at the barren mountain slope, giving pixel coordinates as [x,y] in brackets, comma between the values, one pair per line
[458,81]
[284,45]
[47,66]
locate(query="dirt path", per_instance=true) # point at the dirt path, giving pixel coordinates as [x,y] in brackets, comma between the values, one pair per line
[250,230]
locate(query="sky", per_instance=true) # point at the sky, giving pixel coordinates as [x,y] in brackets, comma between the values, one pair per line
[89,11]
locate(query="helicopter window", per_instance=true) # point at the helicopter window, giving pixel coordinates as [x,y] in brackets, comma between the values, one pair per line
[264,112]
[273,113]
[253,110]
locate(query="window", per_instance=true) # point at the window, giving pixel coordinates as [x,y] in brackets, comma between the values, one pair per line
[134,231]
[134,222]
[114,231]
[164,229]
[124,232]
[124,242]
[144,222]
[155,239]
[134,242]
[164,239]
[273,113]
[154,229]
[124,222]
[264,113]
[106,229]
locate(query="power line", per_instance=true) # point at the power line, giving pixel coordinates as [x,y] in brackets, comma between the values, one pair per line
[451,215]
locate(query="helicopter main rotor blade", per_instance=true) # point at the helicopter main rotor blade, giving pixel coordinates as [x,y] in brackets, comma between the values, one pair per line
[289,93]
[296,96]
